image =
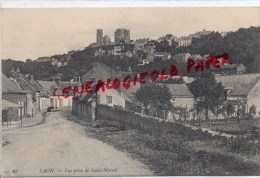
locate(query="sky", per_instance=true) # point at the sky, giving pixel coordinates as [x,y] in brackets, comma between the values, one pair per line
[36,32]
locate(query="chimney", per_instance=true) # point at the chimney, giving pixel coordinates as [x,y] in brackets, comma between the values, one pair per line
[58,81]
[79,80]
[119,68]
[18,70]
[129,69]
[116,70]
[27,76]
[31,78]
[13,72]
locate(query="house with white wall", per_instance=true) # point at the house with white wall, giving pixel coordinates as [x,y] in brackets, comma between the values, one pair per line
[55,96]
[182,100]
[242,90]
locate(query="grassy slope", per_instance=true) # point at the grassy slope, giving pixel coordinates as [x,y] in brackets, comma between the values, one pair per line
[182,158]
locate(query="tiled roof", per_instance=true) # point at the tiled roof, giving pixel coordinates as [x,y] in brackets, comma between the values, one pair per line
[7,104]
[86,96]
[241,84]
[179,90]
[27,84]
[46,84]
[66,84]
[61,86]
[100,71]
[48,88]
[10,87]
[36,83]
[129,93]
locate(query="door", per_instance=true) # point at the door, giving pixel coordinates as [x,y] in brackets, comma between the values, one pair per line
[52,102]
[61,103]
[56,104]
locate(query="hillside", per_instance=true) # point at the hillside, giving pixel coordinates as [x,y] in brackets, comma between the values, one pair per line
[242,47]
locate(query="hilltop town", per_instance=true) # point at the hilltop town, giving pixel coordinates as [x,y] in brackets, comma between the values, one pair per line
[217,106]
[137,54]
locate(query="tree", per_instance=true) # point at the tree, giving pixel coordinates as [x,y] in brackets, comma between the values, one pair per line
[241,45]
[252,111]
[198,108]
[154,96]
[183,113]
[208,44]
[28,60]
[230,109]
[163,46]
[208,93]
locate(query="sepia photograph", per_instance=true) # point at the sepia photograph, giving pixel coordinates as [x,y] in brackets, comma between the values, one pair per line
[130,91]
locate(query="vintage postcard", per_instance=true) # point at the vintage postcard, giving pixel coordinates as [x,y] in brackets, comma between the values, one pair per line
[130,91]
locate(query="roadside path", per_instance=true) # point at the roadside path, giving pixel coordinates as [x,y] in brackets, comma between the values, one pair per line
[59,146]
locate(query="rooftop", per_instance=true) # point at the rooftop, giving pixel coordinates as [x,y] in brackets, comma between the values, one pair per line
[100,71]
[179,90]
[46,84]
[241,84]
[7,104]
[130,92]
[10,87]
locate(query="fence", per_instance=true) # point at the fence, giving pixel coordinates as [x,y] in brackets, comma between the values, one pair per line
[125,119]
[158,128]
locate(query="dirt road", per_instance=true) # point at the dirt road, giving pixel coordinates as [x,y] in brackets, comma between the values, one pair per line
[60,147]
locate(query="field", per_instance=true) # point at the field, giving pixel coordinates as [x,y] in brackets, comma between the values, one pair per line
[168,154]
[244,127]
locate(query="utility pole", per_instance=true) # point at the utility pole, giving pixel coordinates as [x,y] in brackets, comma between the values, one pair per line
[21,118]
[95,119]
[96,115]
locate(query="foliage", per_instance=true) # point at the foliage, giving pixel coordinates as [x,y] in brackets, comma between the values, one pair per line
[173,148]
[230,109]
[154,95]
[207,44]
[252,110]
[208,93]
[240,112]
[242,47]
[183,113]
[164,46]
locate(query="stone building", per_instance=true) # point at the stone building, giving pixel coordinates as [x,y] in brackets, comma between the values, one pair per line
[100,37]
[122,35]
[242,90]
[11,92]
[106,40]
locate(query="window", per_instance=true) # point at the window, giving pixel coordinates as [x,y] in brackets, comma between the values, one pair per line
[109,99]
